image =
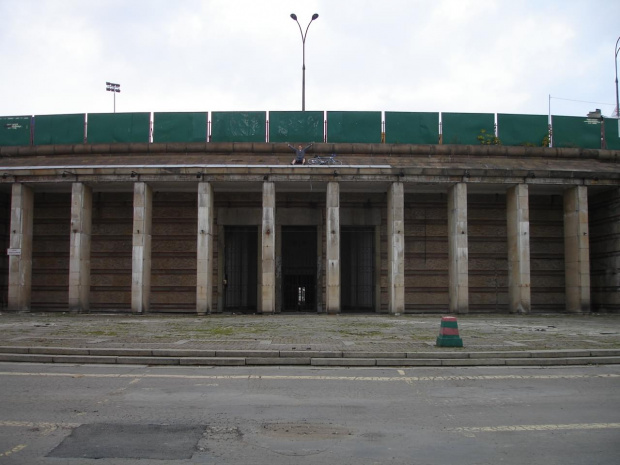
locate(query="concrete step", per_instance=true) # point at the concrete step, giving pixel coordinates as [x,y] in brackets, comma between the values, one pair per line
[133,356]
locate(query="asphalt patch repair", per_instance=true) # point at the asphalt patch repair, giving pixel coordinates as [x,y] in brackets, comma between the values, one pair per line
[122,441]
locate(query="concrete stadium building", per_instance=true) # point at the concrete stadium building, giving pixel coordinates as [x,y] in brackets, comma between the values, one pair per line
[231,226]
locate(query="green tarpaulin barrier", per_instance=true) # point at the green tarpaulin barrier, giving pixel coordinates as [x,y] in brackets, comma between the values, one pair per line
[296,126]
[180,127]
[59,129]
[105,128]
[362,127]
[411,128]
[526,130]
[576,131]
[464,128]
[15,130]
[612,133]
[233,126]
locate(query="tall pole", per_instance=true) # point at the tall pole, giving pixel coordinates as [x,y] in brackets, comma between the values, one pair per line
[617,49]
[115,88]
[303,66]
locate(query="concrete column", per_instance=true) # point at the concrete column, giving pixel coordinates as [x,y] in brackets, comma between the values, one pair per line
[79,249]
[221,289]
[458,249]
[518,221]
[396,248]
[319,267]
[20,243]
[577,250]
[332,250]
[141,252]
[268,246]
[204,250]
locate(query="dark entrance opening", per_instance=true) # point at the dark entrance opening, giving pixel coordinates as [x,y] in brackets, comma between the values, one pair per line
[299,268]
[357,269]
[240,268]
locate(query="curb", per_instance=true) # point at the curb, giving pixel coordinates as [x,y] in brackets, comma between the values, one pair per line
[171,357]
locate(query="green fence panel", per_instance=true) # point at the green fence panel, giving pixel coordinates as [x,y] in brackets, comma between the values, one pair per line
[105,128]
[362,127]
[526,130]
[180,127]
[464,128]
[612,133]
[59,129]
[411,128]
[15,130]
[296,126]
[576,131]
[235,126]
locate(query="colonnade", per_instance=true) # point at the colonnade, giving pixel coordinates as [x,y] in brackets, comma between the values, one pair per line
[576,240]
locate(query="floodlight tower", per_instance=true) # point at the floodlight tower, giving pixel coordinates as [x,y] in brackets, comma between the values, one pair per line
[112,87]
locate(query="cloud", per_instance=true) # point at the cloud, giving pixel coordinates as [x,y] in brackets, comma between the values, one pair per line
[401,55]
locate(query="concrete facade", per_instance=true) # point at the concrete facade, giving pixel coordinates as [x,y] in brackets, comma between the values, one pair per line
[410,229]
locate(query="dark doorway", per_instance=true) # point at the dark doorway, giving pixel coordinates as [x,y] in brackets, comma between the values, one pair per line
[240,268]
[357,269]
[299,268]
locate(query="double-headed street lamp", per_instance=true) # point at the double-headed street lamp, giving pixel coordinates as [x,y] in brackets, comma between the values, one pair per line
[617,49]
[303,67]
[111,87]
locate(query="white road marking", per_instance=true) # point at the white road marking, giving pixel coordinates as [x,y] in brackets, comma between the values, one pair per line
[13,450]
[501,429]
[45,427]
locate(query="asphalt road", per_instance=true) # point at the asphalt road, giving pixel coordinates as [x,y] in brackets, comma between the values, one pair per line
[64,414]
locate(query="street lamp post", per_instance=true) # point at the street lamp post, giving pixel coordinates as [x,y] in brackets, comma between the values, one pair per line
[617,49]
[111,87]
[303,67]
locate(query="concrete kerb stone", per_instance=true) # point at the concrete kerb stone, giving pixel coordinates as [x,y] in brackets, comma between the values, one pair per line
[121,352]
[605,352]
[361,354]
[58,351]
[348,362]
[560,353]
[14,350]
[473,362]
[408,362]
[147,361]
[247,353]
[278,361]
[438,355]
[182,353]
[511,354]
[27,358]
[84,359]
[310,354]
[592,360]
[213,361]
[535,361]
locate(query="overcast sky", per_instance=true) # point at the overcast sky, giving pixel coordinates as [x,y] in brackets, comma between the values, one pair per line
[496,56]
